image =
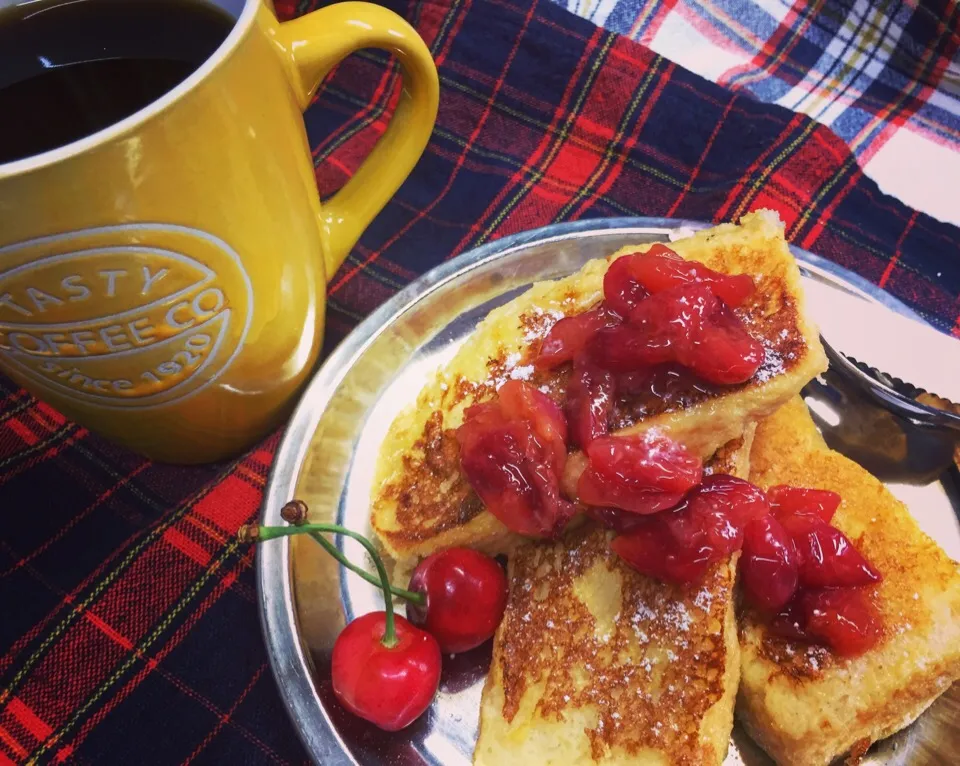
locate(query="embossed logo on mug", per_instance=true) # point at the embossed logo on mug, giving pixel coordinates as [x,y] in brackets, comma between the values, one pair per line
[133,315]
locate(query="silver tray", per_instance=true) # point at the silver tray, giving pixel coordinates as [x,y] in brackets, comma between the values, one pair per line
[327,458]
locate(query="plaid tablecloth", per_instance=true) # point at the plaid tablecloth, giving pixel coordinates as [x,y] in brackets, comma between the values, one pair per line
[128,627]
[883,75]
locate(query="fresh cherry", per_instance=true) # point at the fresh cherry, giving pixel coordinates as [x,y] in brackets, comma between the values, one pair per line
[641,473]
[589,402]
[825,556]
[389,684]
[768,565]
[571,335]
[786,500]
[512,453]
[466,594]
[661,268]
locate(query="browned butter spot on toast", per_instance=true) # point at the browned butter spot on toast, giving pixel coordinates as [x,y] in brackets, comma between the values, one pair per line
[433,495]
[651,676]
[857,752]
[726,459]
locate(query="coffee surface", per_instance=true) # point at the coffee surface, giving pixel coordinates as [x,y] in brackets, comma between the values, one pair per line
[73,68]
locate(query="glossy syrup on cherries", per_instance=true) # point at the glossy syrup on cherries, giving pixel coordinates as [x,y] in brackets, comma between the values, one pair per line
[666,331]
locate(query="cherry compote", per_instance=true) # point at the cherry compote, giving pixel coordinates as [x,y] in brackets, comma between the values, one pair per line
[660,268]
[670,382]
[657,309]
[681,544]
[795,567]
[841,618]
[688,325]
[570,336]
[768,568]
[621,290]
[589,401]
[512,452]
[642,473]
[786,500]
[826,557]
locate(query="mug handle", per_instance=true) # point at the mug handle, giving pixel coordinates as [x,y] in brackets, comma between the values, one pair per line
[312,45]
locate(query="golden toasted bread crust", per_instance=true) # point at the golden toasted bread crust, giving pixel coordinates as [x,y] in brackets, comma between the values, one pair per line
[803,704]
[594,662]
[421,502]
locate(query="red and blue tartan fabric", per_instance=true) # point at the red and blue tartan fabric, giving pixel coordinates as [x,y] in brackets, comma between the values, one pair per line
[882,75]
[129,625]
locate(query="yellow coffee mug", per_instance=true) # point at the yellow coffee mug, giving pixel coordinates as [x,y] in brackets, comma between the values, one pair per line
[163,281]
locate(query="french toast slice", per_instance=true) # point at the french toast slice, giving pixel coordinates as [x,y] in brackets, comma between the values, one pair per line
[421,503]
[804,705]
[596,663]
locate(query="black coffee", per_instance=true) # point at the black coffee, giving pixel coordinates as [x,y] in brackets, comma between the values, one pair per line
[70,68]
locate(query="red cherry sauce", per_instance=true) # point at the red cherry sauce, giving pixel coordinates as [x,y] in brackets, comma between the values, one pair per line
[681,544]
[796,568]
[570,336]
[688,325]
[830,604]
[768,567]
[841,618]
[826,558]
[621,291]
[642,473]
[512,452]
[589,401]
[786,500]
[657,309]
[660,268]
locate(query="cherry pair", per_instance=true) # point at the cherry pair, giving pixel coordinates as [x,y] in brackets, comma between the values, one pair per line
[391,685]
[384,668]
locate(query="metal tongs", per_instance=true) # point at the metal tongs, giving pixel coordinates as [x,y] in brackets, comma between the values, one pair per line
[894,429]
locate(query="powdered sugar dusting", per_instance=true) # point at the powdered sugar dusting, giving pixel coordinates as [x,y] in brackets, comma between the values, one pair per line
[773,363]
[704,599]
[677,616]
[538,322]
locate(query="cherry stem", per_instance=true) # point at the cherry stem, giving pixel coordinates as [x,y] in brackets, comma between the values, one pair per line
[261,534]
[408,595]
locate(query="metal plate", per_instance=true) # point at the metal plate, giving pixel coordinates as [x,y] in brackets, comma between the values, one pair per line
[327,459]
